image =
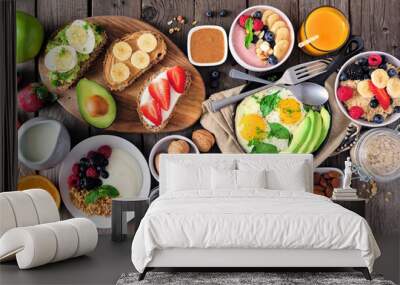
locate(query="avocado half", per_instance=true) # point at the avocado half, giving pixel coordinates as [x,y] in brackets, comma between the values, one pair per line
[96,104]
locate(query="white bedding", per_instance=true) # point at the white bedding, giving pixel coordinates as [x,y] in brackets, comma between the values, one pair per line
[253,218]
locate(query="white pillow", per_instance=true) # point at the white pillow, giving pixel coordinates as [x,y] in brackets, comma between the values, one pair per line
[251,178]
[282,174]
[183,177]
[237,179]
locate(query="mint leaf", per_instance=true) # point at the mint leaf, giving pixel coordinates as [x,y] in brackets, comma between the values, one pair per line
[261,147]
[269,102]
[103,191]
[278,131]
[249,32]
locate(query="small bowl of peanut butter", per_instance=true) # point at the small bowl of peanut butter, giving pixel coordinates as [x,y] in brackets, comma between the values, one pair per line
[207,45]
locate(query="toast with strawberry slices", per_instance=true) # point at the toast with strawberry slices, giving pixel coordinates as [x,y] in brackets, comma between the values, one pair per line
[160,95]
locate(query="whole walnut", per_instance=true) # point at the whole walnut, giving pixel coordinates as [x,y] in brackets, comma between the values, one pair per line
[203,139]
[178,146]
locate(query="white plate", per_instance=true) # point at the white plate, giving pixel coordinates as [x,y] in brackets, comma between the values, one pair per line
[79,151]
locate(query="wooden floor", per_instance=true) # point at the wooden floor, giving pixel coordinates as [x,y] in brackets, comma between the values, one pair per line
[377,21]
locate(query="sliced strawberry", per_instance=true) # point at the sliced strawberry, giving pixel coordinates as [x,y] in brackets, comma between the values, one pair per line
[160,91]
[177,78]
[380,95]
[152,111]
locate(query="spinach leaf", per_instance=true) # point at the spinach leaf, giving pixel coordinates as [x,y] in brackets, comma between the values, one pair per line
[278,131]
[101,192]
[261,147]
[269,102]
[249,32]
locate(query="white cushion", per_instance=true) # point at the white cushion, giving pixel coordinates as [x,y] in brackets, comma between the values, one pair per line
[251,178]
[40,244]
[45,205]
[223,179]
[282,174]
[23,208]
[7,218]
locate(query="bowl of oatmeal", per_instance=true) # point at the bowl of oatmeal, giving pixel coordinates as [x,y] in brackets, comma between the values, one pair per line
[377,152]
[261,38]
[367,89]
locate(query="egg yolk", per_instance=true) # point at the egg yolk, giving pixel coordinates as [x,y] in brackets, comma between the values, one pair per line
[252,126]
[289,111]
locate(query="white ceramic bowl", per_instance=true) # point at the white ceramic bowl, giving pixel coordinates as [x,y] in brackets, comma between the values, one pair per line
[393,117]
[81,150]
[162,146]
[249,11]
[189,39]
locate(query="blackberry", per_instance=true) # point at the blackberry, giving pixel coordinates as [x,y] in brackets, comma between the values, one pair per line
[396,109]
[374,103]
[355,72]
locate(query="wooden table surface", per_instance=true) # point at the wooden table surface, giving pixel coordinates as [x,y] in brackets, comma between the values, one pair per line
[376,21]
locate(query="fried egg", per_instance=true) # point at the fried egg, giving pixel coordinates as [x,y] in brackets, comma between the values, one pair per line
[285,114]
[61,59]
[81,37]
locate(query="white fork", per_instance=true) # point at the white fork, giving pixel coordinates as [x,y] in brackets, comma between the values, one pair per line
[293,75]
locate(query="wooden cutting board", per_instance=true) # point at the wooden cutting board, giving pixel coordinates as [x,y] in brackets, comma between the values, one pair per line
[187,111]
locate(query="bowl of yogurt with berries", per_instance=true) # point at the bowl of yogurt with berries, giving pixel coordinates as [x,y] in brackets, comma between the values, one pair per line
[98,170]
[261,38]
[367,89]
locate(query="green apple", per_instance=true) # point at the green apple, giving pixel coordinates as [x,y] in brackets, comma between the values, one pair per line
[29,37]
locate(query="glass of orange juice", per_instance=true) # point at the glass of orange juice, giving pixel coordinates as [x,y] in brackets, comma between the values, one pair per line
[328,27]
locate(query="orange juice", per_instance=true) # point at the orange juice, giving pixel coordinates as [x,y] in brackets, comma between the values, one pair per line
[331,27]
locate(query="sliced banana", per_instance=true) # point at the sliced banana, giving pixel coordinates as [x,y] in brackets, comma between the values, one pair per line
[281,48]
[120,72]
[379,78]
[140,59]
[147,42]
[393,87]
[277,25]
[282,34]
[272,19]
[265,16]
[363,89]
[122,51]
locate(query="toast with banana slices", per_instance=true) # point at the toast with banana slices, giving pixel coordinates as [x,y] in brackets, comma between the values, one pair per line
[160,95]
[131,56]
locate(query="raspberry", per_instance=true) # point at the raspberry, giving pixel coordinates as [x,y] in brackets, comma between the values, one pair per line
[72,180]
[91,172]
[105,150]
[258,25]
[344,93]
[374,60]
[242,20]
[75,169]
[90,154]
[356,112]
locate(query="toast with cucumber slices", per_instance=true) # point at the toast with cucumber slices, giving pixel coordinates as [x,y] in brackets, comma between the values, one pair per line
[71,51]
[131,56]
[157,100]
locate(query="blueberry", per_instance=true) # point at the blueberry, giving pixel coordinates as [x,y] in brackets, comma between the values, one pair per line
[82,168]
[84,161]
[99,169]
[269,36]
[215,74]
[257,15]
[265,29]
[272,59]
[383,65]
[272,43]
[81,174]
[209,13]
[374,103]
[104,174]
[392,72]
[396,109]
[82,183]
[378,119]
[255,39]
[214,84]
[343,76]
[223,13]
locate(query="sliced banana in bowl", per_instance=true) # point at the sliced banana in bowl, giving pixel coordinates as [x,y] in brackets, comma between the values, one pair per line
[379,78]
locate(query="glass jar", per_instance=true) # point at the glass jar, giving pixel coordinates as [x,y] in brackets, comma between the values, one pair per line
[330,25]
[377,152]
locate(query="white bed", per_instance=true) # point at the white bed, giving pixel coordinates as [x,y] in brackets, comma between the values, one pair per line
[197,222]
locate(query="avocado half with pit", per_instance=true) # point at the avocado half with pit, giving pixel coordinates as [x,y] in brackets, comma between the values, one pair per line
[96,104]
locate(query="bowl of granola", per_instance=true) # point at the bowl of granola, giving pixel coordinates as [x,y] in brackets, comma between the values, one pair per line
[367,89]
[261,38]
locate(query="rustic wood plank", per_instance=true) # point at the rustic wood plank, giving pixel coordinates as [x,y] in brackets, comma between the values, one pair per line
[130,8]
